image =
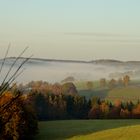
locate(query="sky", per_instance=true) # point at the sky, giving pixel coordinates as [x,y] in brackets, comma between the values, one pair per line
[71,29]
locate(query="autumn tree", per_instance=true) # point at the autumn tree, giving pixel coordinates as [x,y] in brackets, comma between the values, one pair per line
[126,80]
[57,89]
[69,88]
[112,83]
[125,113]
[120,82]
[102,82]
[17,122]
[95,112]
[89,85]
[136,111]
[104,109]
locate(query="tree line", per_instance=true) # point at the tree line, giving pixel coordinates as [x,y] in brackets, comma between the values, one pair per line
[64,102]
[112,83]
[23,105]
[21,109]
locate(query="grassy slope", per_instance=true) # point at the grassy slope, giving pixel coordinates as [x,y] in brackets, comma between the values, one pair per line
[132,92]
[128,93]
[82,85]
[94,93]
[88,129]
[125,93]
[123,133]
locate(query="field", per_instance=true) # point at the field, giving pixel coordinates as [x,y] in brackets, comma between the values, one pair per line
[89,130]
[131,92]
[128,93]
[96,129]
[124,94]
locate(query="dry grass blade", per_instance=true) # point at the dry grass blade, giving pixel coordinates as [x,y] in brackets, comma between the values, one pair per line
[6,85]
[15,73]
[3,62]
[14,64]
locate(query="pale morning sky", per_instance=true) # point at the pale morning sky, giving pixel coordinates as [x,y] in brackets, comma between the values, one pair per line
[71,29]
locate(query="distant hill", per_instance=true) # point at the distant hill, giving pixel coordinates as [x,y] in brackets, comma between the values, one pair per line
[68,79]
[53,70]
[98,61]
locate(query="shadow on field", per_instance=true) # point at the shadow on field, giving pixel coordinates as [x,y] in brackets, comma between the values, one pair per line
[61,130]
[101,93]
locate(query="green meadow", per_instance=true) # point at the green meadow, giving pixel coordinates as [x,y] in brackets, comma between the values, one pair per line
[131,92]
[96,129]
[89,130]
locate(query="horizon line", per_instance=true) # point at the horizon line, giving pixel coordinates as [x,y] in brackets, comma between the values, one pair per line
[73,60]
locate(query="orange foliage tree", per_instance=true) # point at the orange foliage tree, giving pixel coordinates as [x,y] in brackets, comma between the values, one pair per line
[17,121]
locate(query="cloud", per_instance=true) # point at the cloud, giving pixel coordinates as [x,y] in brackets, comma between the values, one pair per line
[118,40]
[93,34]
[106,37]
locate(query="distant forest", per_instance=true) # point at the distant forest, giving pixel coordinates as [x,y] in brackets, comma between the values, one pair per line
[62,101]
